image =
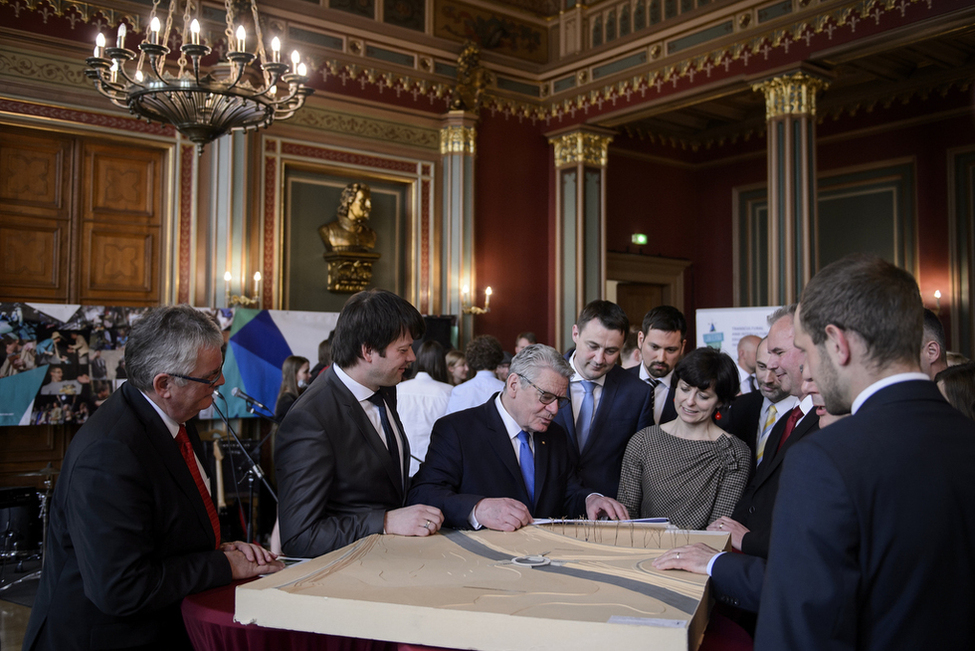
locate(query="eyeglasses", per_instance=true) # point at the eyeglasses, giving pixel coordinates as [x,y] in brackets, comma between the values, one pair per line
[545,397]
[210,383]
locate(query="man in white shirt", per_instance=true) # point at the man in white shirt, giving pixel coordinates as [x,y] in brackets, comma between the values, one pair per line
[661,341]
[483,354]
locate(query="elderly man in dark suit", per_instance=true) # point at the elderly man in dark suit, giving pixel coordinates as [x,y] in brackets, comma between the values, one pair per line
[342,456]
[848,568]
[133,528]
[607,404]
[505,462]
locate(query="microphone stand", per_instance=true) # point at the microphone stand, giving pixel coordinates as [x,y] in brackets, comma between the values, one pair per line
[254,472]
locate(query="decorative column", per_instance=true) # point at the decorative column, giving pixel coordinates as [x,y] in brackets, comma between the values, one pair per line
[790,110]
[580,177]
[457,148]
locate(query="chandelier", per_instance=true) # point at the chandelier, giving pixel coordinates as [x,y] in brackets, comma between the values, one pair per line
[199,105]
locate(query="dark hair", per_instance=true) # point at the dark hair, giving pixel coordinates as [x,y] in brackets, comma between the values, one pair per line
[959,389]
[289,369]
[629,345]
[430,358]
[484,353]
[934,331]
[708,368]
[529,335]
[610,315]
[373,319]
[325,352]
[168,340]
[665,318]
[871,297]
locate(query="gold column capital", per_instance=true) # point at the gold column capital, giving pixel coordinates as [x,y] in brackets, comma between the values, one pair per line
[581,147]
[793,94]
[458,139]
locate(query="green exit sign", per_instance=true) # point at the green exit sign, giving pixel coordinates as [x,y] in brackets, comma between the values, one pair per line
[638,238]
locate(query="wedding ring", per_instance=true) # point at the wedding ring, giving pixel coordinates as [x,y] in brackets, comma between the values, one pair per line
[678,555]
[721,525]
[426,525]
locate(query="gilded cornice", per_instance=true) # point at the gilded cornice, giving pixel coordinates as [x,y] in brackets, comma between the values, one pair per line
[458,139]
[581,147]
[35,66]
[322,119]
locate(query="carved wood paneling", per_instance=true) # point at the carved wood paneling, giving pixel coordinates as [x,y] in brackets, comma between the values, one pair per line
[121,189]
[122,183]
[35,172]
[31,254]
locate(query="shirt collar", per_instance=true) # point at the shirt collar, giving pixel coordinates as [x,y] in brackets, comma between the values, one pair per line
[577,377]
[170,424]
[806,404]
[665,380]
[510,425]
[884,383]
[361,392]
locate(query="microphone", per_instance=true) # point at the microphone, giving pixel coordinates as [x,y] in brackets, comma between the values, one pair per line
[237,393]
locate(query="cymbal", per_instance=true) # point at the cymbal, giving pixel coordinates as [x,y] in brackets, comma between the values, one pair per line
[47,471]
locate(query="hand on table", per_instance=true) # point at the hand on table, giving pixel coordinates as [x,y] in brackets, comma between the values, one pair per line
[693,558]
[502,514]
[249,560]
[416,520]
[597,504]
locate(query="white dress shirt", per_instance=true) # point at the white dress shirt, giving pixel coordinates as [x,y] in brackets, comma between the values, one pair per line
[362,394]
[577,392]
[660,392]
[420,402]
[475,392]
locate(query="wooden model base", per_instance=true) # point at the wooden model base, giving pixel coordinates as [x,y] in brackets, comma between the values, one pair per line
[567,586]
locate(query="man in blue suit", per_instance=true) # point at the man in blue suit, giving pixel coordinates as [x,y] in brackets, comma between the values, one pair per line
[505,462]
[874,524]
[608,404]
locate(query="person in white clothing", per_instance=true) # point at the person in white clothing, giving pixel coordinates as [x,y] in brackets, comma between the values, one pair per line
[483,353]
[423,400]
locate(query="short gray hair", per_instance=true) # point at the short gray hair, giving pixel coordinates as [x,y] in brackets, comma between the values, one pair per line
[785,310]
[168,340]
[531,359]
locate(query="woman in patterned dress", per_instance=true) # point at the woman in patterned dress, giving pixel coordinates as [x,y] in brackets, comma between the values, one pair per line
[689,470]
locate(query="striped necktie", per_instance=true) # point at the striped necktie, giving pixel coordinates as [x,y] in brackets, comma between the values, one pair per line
[766,430]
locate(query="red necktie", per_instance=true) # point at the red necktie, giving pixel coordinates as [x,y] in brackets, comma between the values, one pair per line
[789,426]
[183,440]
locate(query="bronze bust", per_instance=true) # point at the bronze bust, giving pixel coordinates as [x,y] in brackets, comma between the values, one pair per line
[349,232]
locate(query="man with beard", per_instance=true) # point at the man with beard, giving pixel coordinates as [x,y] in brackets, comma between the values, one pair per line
[752,416]
[848,567]
[608,404]
[342,456]
[661,342]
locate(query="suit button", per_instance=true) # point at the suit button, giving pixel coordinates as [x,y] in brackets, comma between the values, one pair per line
[751,509]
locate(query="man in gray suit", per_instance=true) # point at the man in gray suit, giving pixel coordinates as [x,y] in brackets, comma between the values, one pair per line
[342,457]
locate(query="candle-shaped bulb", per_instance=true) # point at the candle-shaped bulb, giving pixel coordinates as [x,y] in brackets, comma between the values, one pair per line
[275,49]
[465,290]
[487,297]
[302,70]
[138,76]
[227,276]
[195,32]
[295,59]
[99,44]
[272,91]
[154,30]
[937,293]
[120,39]
[257,276]
[241,38]
[114,71]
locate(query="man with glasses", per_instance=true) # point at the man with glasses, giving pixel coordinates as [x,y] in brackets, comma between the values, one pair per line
[133,528]
[505,462]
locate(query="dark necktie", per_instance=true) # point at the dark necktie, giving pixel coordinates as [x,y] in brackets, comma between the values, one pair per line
[653,382]
[789,426]
[391,444]
[186,449]
[527,462]
[751,383]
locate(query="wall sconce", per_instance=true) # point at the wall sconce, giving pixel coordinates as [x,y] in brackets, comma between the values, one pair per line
[242,300]
[937,302]
[473,309]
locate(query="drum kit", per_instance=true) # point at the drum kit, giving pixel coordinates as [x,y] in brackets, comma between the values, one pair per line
[17,529]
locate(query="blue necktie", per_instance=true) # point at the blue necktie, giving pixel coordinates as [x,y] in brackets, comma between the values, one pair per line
[585,414]
[391,445]
[527,463]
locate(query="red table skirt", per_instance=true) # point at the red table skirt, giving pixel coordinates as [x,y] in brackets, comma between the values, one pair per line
[209,618]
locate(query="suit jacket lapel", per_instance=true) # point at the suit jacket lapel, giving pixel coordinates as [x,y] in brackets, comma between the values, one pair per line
[669,412]
[501,444]
[169,453]
[541,465]
[804,426]
[366,429]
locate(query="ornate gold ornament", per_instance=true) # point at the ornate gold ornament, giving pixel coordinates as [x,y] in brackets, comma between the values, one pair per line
[458,139]
[580,147]
[349,242]
[793,94]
